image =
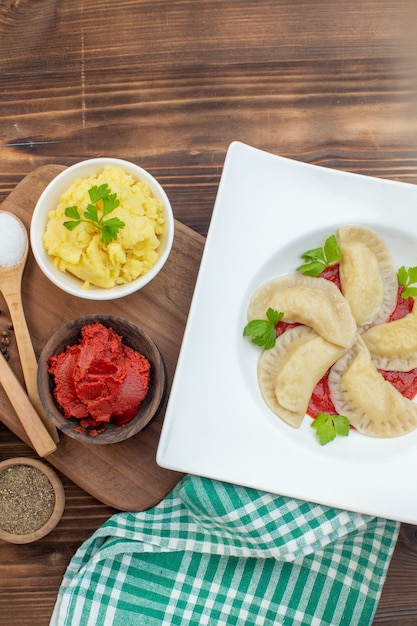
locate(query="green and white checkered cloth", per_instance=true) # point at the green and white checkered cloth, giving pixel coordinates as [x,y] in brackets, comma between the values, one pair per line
[217,554]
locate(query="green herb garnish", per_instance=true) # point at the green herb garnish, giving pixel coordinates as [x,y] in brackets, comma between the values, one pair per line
[317,259]
[102,203]
[328,426]
[263,332]
[407,277]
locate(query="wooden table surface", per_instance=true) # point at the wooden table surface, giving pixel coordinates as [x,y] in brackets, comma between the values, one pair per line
[169,85]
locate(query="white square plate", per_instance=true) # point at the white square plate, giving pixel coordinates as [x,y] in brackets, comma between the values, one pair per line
[268,211]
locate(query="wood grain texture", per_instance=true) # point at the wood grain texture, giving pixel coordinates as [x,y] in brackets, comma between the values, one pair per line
[169,85]
[123,475]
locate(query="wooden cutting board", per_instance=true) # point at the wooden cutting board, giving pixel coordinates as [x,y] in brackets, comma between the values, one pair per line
[123,475]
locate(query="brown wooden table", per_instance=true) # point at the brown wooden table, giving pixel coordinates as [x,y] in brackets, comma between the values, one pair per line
[169,84]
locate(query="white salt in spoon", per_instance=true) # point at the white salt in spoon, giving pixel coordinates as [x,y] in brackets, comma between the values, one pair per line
[14,248]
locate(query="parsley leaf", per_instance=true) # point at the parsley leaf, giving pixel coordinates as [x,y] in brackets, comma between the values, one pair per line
[328,426]
[91,213]
[98,193]
[407,277]
[317,259]
[102,202]
[72,212]
[263,332]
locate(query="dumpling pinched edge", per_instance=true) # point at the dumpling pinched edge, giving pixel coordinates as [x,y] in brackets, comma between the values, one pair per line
[367,275]
[289,372]
[393,345]
[314,302]
[372,405]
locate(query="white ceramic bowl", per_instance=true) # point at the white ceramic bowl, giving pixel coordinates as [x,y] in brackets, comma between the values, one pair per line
[49,200]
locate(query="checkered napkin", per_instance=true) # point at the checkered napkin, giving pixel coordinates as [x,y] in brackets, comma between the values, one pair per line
[218,554]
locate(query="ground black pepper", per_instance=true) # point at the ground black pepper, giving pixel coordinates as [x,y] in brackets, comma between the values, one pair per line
[5,339]
[27,499]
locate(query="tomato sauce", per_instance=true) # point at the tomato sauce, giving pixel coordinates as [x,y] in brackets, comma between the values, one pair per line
[405,382]
[99,379]
[403,306]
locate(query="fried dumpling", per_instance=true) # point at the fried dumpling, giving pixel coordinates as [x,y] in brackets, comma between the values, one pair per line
[372,405]
[367,275]
[393,345]
[314,302]
[289,372]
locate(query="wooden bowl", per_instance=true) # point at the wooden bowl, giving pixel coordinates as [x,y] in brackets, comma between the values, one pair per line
[132,337]
[35,495]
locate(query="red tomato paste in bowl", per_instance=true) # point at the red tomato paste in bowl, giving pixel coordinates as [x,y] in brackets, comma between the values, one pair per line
[99,379]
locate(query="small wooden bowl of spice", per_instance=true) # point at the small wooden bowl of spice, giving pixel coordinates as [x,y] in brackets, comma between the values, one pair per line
[32,500]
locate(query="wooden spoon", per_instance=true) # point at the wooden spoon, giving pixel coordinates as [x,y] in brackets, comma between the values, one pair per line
[10,286]
[39,437]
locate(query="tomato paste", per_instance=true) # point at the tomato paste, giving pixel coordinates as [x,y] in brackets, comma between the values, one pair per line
[404,382]
[100,379]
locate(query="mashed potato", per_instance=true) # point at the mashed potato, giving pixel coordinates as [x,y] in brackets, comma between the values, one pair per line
[82,253]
